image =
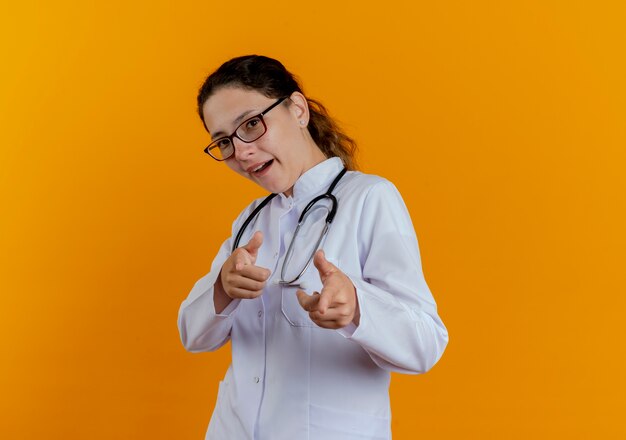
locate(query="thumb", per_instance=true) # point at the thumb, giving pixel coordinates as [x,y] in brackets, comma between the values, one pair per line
[254,244]
[324,267]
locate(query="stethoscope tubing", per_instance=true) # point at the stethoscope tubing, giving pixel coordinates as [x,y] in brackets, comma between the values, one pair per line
[329,219]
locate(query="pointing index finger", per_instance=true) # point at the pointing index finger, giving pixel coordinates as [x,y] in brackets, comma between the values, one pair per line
[257,273]
[307,302]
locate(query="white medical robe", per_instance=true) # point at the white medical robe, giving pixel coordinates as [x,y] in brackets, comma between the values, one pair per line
[290,379]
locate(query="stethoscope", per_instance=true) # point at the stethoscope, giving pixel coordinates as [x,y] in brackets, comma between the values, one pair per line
[329,219]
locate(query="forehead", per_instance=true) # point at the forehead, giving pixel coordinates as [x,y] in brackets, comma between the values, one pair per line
[226,104]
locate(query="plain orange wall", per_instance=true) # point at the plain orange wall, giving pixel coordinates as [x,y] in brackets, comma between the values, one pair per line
[502,124]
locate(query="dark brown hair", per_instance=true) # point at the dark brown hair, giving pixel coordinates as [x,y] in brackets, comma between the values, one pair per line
[269,77]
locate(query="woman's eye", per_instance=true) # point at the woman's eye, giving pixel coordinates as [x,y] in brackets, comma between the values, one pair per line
[252,123]
[224,143]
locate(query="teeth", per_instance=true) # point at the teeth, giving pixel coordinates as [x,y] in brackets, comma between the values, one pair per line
[260,166]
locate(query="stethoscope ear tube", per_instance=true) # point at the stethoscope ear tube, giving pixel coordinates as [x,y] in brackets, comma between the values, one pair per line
[328,194]
[331,213]
[333,210]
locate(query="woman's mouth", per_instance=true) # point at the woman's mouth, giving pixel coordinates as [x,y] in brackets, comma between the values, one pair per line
[261,169]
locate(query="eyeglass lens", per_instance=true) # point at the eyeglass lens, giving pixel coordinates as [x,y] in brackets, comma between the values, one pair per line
[249,131]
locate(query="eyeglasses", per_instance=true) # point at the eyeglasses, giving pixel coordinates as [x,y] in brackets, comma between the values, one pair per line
[248,131]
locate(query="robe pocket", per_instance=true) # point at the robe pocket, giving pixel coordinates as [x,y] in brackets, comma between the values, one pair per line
[334,424]
[290,306]
[292,310]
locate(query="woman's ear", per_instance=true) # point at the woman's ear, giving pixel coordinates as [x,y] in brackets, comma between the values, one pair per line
[299,108]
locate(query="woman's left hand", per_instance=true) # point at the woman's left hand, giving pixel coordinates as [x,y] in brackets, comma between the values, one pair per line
[336,305]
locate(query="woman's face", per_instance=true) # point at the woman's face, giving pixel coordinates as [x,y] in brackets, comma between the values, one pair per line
[278,158]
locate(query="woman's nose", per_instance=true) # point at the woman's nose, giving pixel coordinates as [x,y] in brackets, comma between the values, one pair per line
[243,149]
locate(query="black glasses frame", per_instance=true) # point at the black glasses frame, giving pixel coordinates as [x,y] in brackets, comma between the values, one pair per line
[214,144]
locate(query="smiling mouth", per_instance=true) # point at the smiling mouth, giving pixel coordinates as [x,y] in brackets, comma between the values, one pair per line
[262,167]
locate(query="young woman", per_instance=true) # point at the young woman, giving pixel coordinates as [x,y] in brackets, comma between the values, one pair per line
[320,287]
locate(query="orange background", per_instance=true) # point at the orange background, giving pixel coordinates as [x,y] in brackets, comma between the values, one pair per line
[502,124]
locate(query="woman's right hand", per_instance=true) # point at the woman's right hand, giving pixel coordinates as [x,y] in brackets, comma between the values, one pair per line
[240,278]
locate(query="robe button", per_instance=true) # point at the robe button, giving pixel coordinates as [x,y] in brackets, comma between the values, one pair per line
[256,380]
[260,313]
